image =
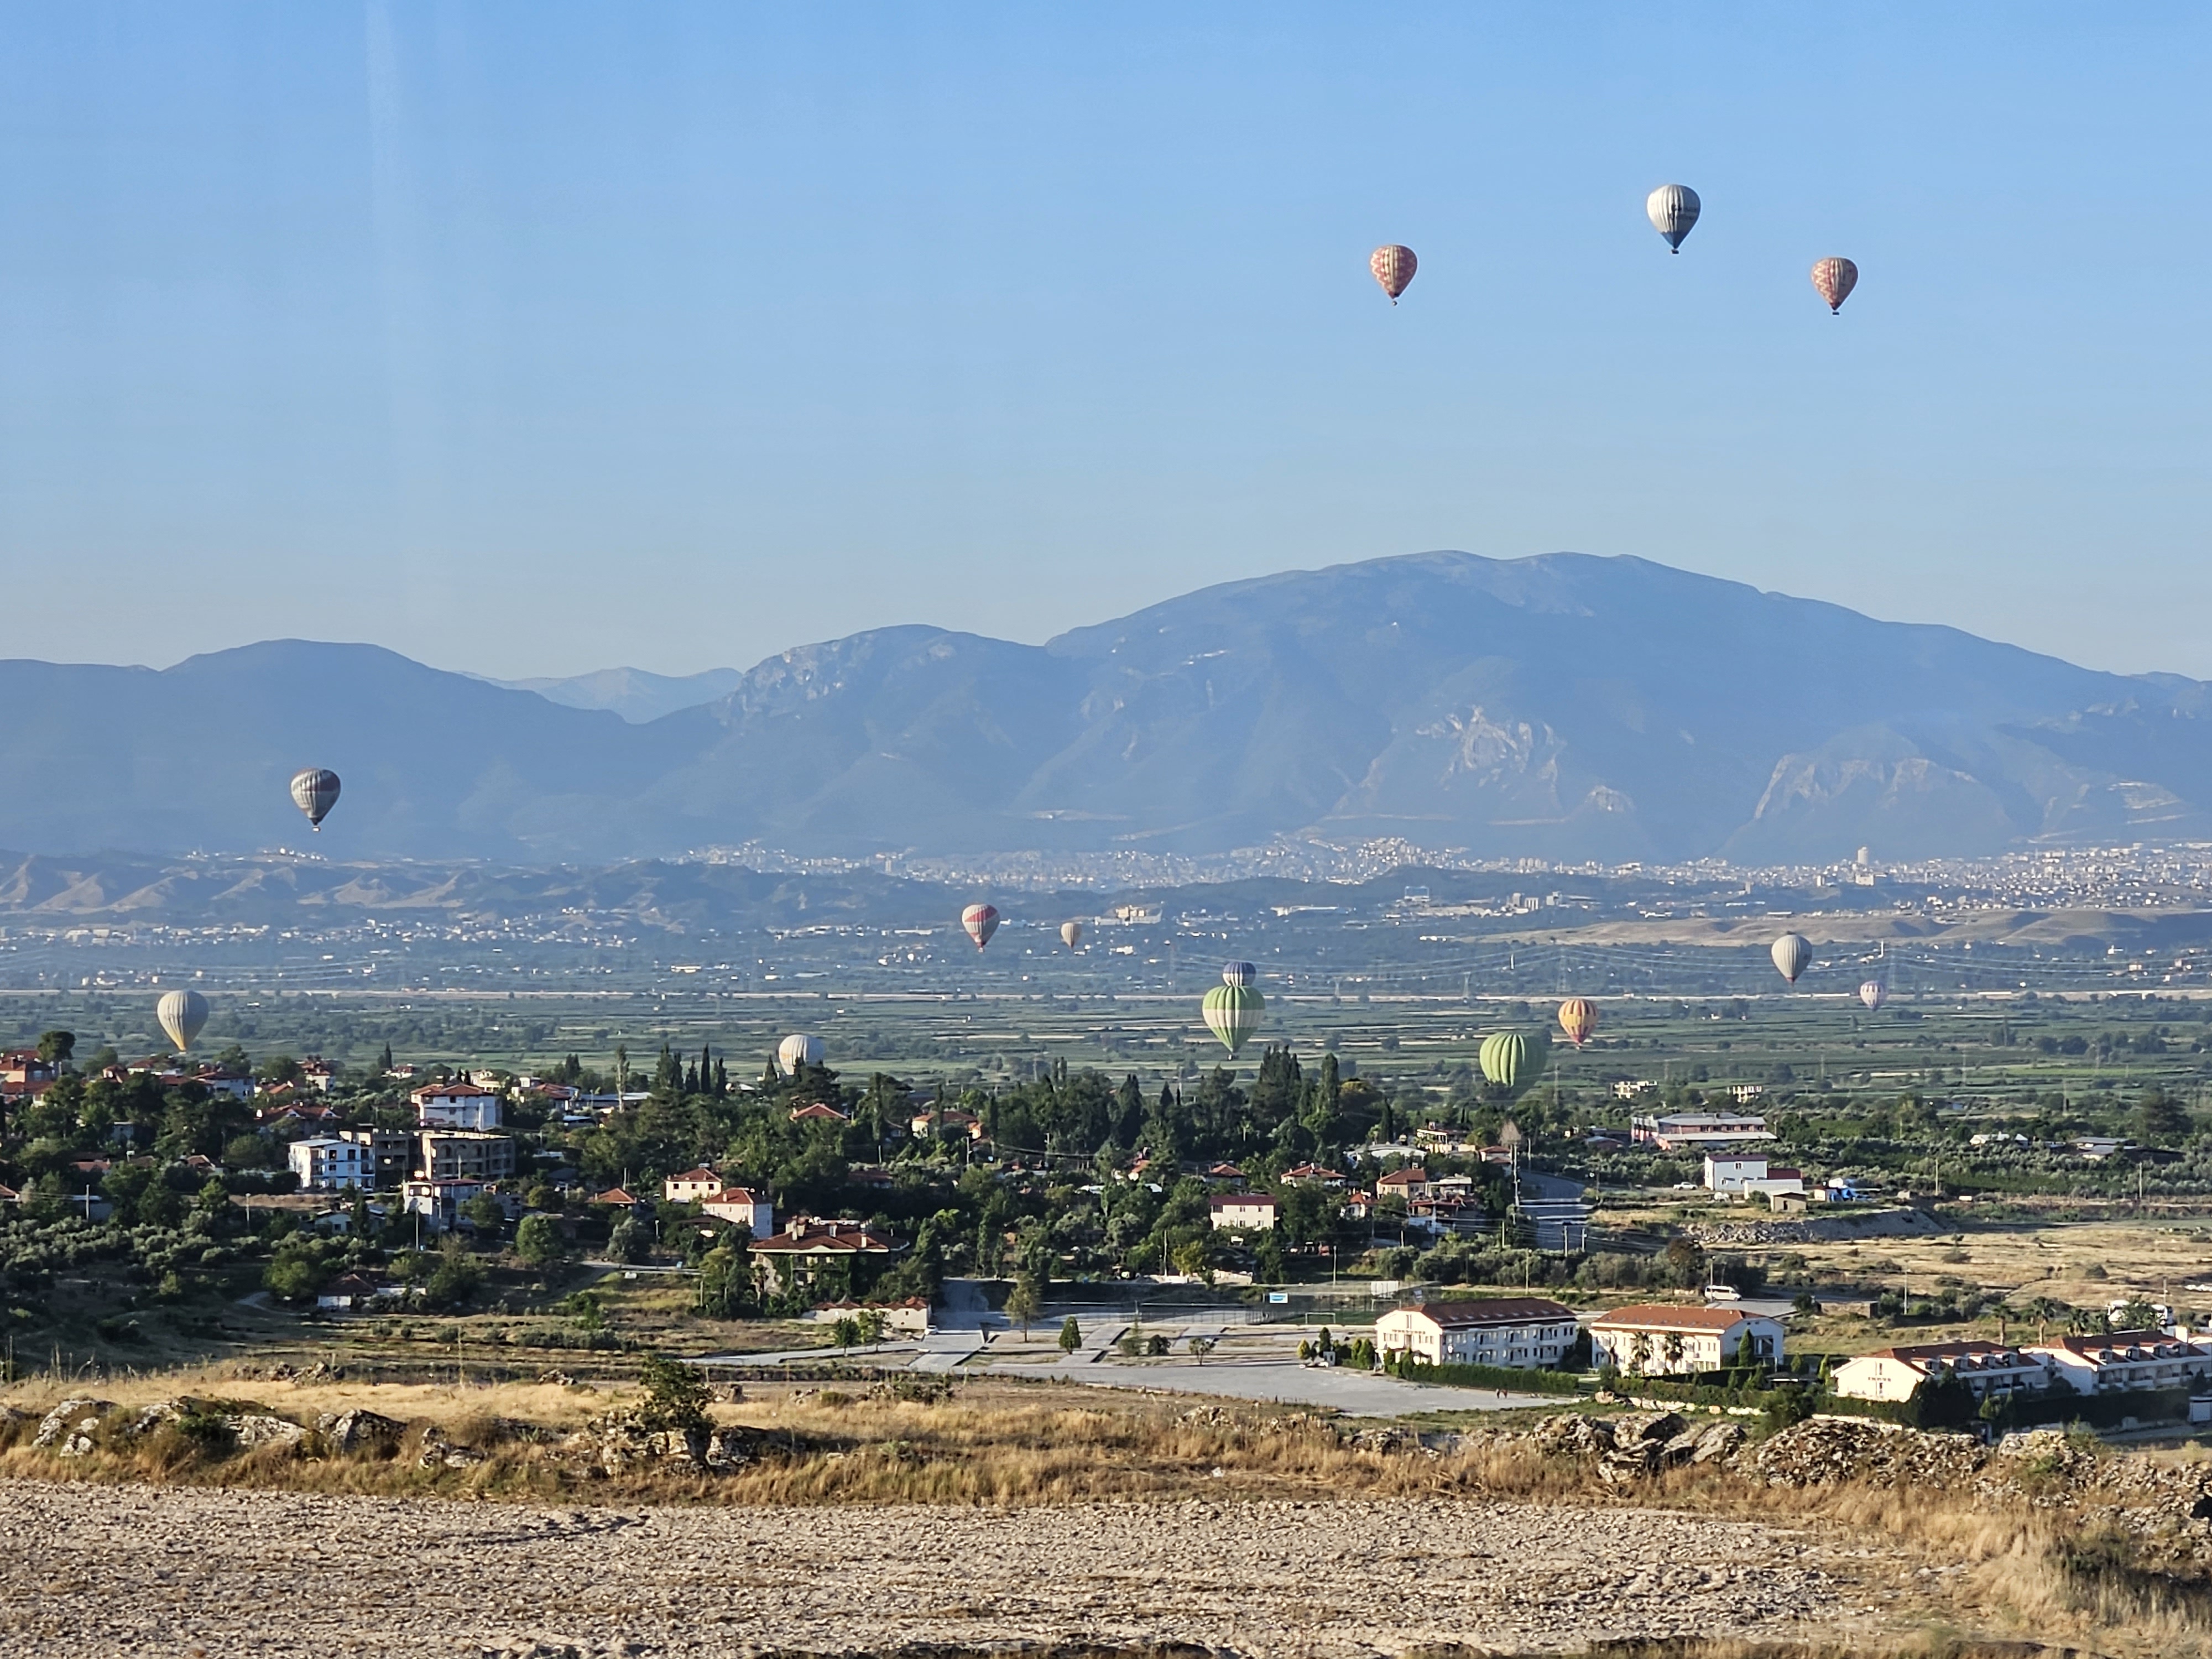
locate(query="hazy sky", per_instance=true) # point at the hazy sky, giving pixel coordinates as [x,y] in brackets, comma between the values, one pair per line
[533,338]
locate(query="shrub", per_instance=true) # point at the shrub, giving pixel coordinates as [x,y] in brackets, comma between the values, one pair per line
[538,1241]
[675,1396]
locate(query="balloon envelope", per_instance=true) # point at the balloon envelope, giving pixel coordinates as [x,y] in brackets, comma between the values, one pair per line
[981,921]
[1792,954]
[1873,993]
[1511,1060]
[182,1014]
[1673,209]
[1232,1014]
[1833,280]
[1238,973]
[1071,933]
[315,792]
[1577,1018]
[1394,266]
[797,1051]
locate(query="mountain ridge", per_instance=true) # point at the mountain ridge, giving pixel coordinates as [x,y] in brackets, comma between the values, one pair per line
[1562,706]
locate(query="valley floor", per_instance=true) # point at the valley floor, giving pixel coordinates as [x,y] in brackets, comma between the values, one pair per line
[91,1569]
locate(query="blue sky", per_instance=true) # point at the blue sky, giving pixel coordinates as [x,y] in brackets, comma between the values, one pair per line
[533,338]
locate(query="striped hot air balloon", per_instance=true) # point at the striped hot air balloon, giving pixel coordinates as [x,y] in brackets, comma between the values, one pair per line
[797,1051]
[182,1014]
[1672,209]
[1833,280]
[1513,1059]
[315,792]
[1577,1018]
[981,921]
[1393,265]
[1792,954]
[1873,993]
[1233,1012]
[1239,973]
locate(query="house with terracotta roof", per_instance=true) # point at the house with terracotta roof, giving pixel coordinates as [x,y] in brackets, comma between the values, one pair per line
[1315,1174]
[816,1112]
[694,1186]
[797,1254]
[457,1106]
[946,1121]
[742,1208]
[1242,1212]
[2126,1359]
[1408,1183]
[24,1076]
[1523,1332]
[1983,1366]
[617,1195]
[1667,1340]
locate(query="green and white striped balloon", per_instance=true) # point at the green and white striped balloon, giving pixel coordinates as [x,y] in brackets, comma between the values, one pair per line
[1232,1014]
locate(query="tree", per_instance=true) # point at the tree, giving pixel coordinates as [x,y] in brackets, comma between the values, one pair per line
[1199,1347]
[676,1396]
[457,1276]
[538,1241]
[846,1332]
[2160,1120]
[55,1048]
[1071,1335]
[295,1271]
[1025,1303]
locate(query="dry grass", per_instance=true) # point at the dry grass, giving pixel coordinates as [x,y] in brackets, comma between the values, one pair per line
[2031,1571]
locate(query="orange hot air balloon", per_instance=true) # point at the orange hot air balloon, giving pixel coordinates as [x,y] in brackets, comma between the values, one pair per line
[1394,267]
[1833,280]
[1577,1018]
[981,921]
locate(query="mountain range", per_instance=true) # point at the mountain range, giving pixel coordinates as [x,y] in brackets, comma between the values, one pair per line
[1565,706]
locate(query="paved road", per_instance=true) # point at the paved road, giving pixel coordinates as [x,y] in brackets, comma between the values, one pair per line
[1357,1393]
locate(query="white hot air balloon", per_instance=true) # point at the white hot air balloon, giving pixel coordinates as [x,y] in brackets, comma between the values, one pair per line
[182,1014]
[797,1051]
[1792,954]
[1071,933]
[315,792]
[1672,209]
[981,921]
[1873,993]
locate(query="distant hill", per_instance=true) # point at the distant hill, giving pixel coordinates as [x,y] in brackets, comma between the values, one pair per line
[632,693]
[1563,707]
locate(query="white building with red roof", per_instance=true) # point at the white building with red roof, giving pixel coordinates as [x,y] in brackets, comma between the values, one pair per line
[457,1106]
[1667,1339]
[1983,1366]
[1523,1332]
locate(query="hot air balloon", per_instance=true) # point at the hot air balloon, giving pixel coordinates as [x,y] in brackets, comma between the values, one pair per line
[182,1014]
[1792,954]
[1833,280]
[1071,933]
[1577,1018]
[1233,1014]
[1394,267]
[1512,1059]
[1873,993]
[315,792]
[981,921]
[797,1051]
[1232,1008]
[1674,211]
[1239,973]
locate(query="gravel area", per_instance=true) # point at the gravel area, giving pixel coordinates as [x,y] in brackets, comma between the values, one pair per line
[93,1570]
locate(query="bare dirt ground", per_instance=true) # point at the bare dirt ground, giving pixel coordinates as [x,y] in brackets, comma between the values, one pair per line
[96,1570]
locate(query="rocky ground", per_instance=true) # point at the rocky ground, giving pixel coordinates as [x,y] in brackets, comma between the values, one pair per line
[96,1570]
